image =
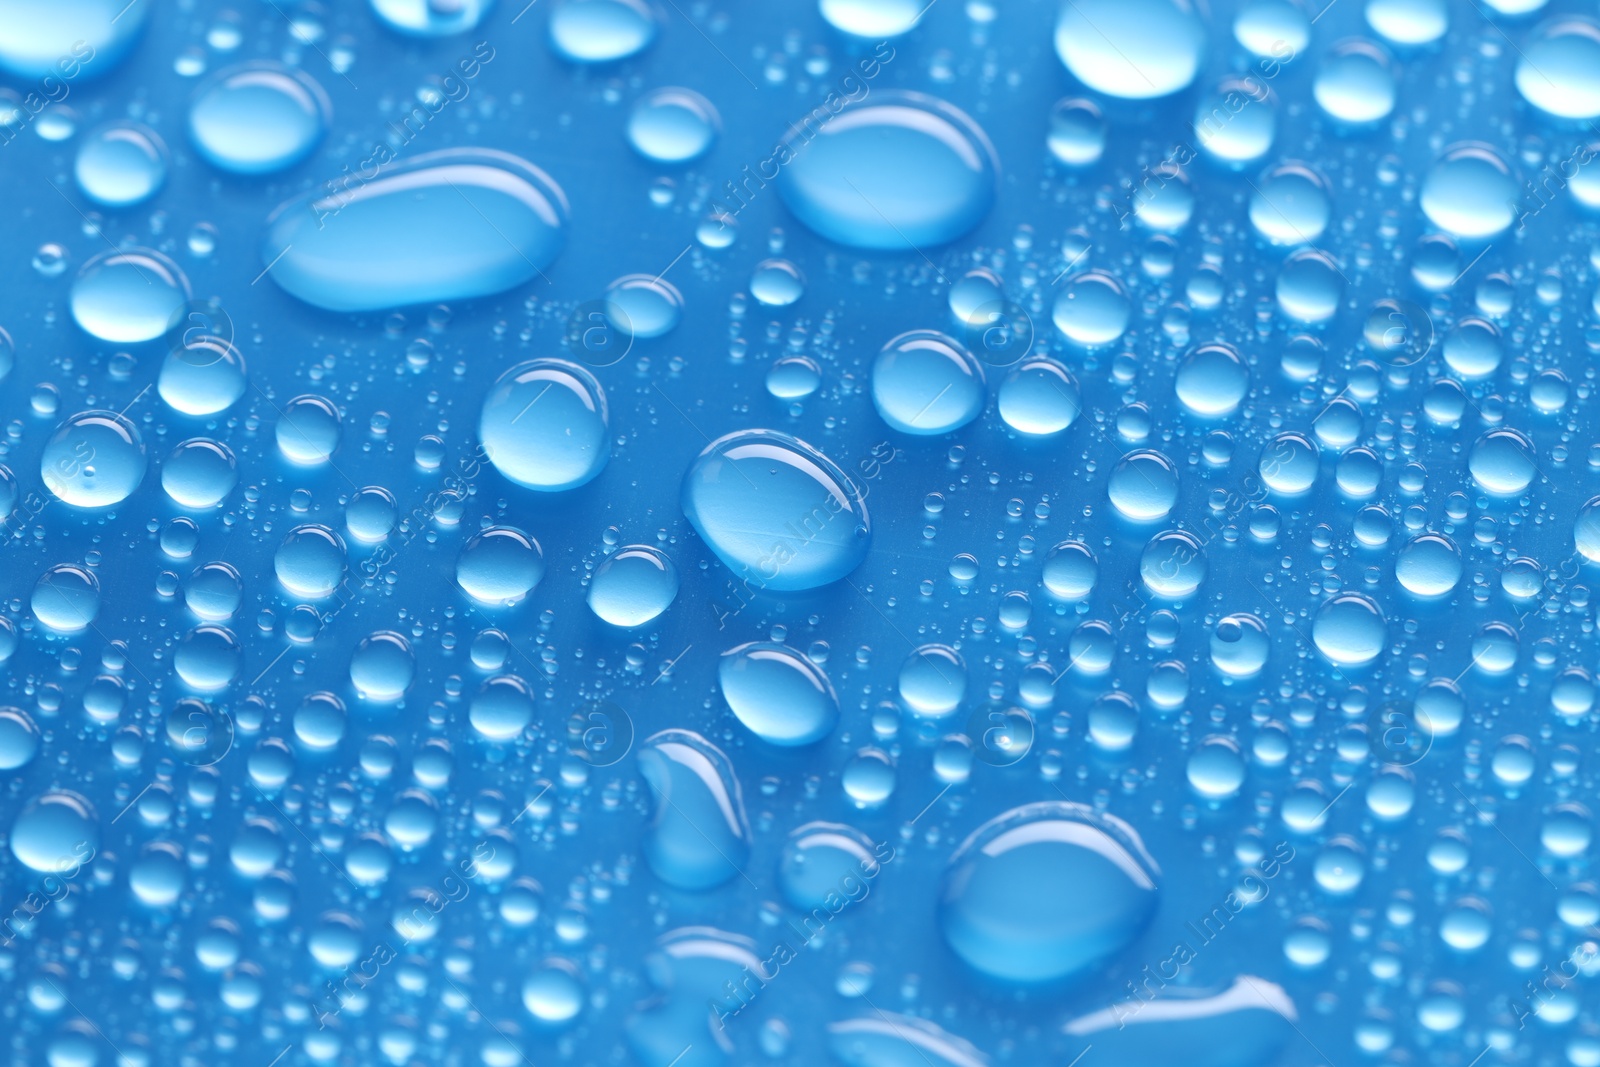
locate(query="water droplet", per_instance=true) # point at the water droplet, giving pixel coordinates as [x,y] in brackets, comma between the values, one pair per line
[1133,50]
[128,296]
[1001,908]
[633,586]
[121,164]
[1212,380]
[1502,462]
[778,694]
[1356,83]
[1040,398]
[94,460]
[873,19]
[500,566]
[1470,191]
[432,18]
[1092,309]
[258,118]
[1349,629]
[311,561]
[545,425]
[55,832]
[601,31]
[777,512]
[203,378]
[1558,71]
[1143,486]
[376,246]
[899,171]
[673,125]
[699,836]
[925,383]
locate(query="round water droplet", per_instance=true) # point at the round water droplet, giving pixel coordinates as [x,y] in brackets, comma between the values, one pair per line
[1429,565]
[673,125]
[1077,132]
[1092,309]
[94,460]
[1000,907]
[1356,83]
[502,709]
[1291,204]
[925,383]
[779,695]
[1216,769]
[1470,191]
[203,378]
[1143,486]
[503,219]
[1310,286]
[432,18]
[1070,570]
[500,566]
[933,680]
[1349,629]
[67,41]
[1558,71]
[1212,380]
[1237,121]
[1240,645]
[601,31]
[898,171]
[55,832]
[19,739]
[794,378]
[873,19]
[823,860]
[208,658]
[639,305]
[311,561]
[1502,462]
[545,425]
[777,283]
[258,118]
[121,164]
[214,591]
[1173,564]
[383,666]
[633,586]
[1040,398]
[1275,29]
[554,993]
[128,296]
[200,473]
[1133,50]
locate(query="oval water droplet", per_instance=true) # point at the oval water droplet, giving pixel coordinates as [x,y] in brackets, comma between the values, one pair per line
[258,118]
[378,246]
[780,696]
[777,512]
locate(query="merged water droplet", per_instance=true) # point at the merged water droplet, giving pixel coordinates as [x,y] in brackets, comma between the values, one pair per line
[699,836]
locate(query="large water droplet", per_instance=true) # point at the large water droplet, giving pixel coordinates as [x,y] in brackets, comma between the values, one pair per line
[1133,49]
[1212,380]
[500,565]
[899,171]
[1002,908]
[1502,462]
[200,473]
[545,425]
[67,39]
[451,225]
[204,378]
[776,511]
[311,561]
[1558,71]
[780,695]
[926,383]
[128,296]
[55,832]
[258,118]
[66,598]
